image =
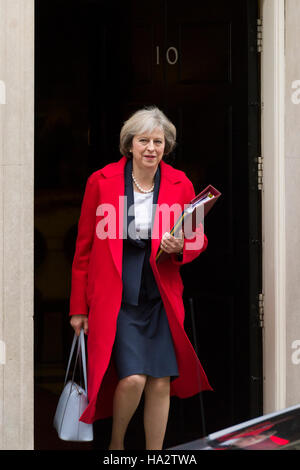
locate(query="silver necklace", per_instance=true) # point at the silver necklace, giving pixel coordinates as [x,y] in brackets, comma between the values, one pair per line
[145,191]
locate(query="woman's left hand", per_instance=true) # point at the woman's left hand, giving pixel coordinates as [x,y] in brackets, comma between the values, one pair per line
[171,244]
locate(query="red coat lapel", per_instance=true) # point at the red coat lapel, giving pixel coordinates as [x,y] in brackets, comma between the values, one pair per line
[112,190]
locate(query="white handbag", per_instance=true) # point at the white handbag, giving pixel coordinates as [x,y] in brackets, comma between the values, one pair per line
[73,401]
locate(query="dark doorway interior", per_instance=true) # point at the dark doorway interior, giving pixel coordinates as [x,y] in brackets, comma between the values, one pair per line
[96,62]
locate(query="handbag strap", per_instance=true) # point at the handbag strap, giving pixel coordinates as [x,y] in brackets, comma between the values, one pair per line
[70,356]
[80,348]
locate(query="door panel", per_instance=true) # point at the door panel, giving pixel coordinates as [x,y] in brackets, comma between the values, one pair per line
[212,61]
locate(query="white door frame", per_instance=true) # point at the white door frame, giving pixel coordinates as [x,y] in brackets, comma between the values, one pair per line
[273,203]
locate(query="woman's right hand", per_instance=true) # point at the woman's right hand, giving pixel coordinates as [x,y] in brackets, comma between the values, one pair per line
[78,322]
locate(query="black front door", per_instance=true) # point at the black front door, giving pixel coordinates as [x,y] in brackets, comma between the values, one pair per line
[191,59]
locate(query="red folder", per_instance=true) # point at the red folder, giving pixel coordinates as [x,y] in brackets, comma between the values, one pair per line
[192,215]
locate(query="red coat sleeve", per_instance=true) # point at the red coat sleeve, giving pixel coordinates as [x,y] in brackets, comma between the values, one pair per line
[196,245]
[84,242]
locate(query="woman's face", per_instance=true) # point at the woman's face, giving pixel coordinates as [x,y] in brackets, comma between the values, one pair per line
[148,149]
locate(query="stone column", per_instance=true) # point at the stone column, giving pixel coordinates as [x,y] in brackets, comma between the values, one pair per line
[292,172]
[273,204]
[16,223]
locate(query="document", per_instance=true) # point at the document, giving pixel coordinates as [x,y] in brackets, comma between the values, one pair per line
[192,215]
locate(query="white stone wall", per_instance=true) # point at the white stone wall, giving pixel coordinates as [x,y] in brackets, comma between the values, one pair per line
[16,223]
[292,184]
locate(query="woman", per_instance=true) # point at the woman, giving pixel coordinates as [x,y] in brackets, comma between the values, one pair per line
[130,306]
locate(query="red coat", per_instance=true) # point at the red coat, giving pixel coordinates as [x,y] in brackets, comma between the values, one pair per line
[96,287]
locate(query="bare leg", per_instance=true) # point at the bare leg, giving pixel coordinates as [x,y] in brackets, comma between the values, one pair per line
[126,399]
[156,411]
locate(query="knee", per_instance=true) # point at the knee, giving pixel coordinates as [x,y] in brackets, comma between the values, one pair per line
[133,382]
[160,386]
